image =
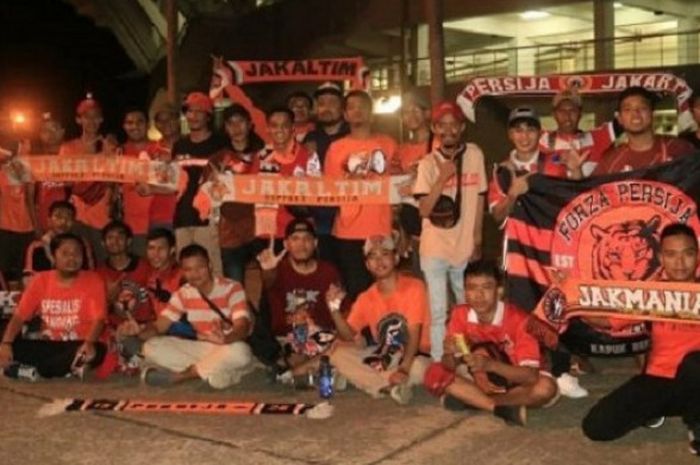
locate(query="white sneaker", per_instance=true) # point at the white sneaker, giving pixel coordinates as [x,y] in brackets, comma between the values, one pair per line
[401,393]
[569,387]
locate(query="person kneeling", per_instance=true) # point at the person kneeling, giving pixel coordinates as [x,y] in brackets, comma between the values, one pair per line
[500,373]
[217,310]
[71,304]
[394,309]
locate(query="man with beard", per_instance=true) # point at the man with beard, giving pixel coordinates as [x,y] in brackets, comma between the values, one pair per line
[296,282]
[70,303]
[330,126]
[643,148]
[669,384]
[448,243]
[362,154]
[200,144]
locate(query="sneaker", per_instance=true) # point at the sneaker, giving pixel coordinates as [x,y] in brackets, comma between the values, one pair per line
[515,415]
[285,378]
[569,387]
[654,423]
[157,376]
[20,371]
[401,393]
[694,437]
[453,404]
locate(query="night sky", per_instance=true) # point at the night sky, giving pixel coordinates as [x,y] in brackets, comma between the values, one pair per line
[50,56]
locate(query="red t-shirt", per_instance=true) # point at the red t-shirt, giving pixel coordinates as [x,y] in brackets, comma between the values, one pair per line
[507,330]
[595,142]
[67,312]
[297,162]
[132,295]
[623,158]
[290,286]
[14,211]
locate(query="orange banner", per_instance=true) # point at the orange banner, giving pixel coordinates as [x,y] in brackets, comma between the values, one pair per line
[319,69]
[634,300]
[99,169]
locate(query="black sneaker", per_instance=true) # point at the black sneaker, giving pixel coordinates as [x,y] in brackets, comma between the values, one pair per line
[453,404]
[654,423]
[515,415]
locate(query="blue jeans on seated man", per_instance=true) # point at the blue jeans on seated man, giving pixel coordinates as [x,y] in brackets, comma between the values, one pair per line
[437,271]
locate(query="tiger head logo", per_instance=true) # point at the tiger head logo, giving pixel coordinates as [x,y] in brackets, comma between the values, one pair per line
[626,251]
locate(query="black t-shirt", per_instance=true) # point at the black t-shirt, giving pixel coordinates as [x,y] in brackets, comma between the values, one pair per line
[185,214]
[692,137]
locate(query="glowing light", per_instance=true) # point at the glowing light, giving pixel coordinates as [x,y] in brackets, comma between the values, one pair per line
[534,14]
[387,105]
[19,118]
[618,5]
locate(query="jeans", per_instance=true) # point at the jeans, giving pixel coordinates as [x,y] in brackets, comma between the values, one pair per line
[436,272]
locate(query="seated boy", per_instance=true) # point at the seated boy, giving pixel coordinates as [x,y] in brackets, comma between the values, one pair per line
[501,372]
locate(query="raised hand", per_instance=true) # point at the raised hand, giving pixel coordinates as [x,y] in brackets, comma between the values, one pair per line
[574,160]
[334,297]
[518,183]
[267,258]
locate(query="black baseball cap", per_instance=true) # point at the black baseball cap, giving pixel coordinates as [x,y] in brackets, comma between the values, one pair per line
[299,225]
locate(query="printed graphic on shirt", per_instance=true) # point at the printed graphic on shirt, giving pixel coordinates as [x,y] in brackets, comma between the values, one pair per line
[61,317]
[392,331]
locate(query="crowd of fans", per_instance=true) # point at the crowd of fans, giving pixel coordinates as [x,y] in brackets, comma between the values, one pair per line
[129,278]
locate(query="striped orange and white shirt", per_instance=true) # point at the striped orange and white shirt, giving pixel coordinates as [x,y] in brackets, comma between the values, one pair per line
[226,294]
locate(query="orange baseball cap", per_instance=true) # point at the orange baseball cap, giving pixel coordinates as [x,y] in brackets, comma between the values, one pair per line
[87,104]
[446,107]
[198,101]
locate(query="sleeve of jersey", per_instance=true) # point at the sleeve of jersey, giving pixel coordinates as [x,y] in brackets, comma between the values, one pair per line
[239,96]
[237,304]
[458,321]
[527,349]
[31,297]
[175,308]
[603,136]
[357,319]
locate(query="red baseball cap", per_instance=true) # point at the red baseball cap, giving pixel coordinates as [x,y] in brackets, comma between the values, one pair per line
[87,104]
[444,108]
[198,101]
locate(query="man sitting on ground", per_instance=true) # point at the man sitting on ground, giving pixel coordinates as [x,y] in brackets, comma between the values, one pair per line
[504,376]
[395,310]
[217,310]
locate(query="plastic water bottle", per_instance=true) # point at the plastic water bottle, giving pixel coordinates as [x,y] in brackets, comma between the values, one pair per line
[325,378]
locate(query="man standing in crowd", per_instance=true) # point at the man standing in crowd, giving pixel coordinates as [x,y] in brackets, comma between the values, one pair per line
[450,188]
[643,148]
[71,305]
[38,256]
[330,126]
[299,103]
[395,310]
[136,198]
[200,144]
[237,222]
[162,210]
[669,384]
[360,155]
[216,308]
[92,200]
[504,376]
[569,141]
[51,134]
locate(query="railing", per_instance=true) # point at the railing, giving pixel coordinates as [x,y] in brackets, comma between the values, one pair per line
[634,51]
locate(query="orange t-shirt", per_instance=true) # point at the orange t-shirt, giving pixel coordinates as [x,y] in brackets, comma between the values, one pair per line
[670,342]
[388,316]
[137,207]
[66,312]
[363,157]
[411,153]
[14,214]
[92,212]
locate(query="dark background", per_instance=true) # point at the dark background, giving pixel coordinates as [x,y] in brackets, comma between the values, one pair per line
[50,56]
